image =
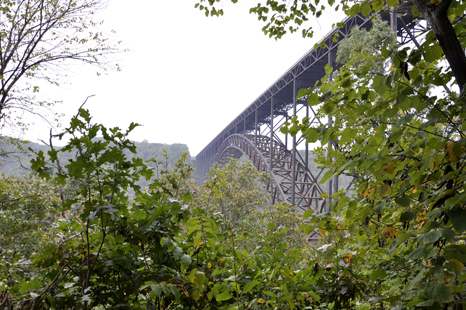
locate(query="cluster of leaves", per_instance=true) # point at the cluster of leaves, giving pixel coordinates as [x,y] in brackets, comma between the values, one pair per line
[28,212]
[402,136]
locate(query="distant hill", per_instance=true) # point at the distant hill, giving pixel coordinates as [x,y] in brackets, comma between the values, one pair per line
[15,160]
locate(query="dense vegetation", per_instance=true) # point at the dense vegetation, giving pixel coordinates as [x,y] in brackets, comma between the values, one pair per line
[397,242]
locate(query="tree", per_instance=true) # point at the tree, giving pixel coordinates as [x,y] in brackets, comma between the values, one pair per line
[362,51]
[445,17]
[38,40]
[28,212]
[235,193]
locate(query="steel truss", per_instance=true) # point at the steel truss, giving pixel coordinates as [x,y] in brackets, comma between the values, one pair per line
[255,132]
[273,157]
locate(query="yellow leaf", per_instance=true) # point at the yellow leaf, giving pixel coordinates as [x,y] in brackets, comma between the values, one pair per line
[457,265]
[390,232]
[261,301]
[209,265]
[420,218]
[364,193]
[453,152]
[185,291]
[389,168]
[348,258]
[372,192]
[221,262]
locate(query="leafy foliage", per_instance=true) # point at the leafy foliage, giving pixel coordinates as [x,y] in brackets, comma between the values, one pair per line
[362,51]
[28,213]
[405,146]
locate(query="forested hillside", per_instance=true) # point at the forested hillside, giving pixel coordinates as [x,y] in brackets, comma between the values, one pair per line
[16,160]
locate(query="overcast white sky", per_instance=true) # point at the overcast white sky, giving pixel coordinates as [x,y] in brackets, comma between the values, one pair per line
[186,76]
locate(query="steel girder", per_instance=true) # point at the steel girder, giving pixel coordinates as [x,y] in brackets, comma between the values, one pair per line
[263,118]
[278,163]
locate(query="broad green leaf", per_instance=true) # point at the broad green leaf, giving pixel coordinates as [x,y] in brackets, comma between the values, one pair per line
[403,201]
[185,260]
[438,292]
[177,251]
[157,289]
[455,251]
[402,238]
[250,286]
[223,297]
[271,294]
[458,219]
[175,292]
[378,274]
[429,237]
[407,215]
[366,8]
[416,279]
[379,85]
[197,238]
[417,253]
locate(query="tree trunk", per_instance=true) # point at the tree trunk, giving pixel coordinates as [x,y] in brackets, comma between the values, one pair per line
[436,16]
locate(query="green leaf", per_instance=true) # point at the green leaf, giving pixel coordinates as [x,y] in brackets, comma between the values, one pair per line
[458,219]
[314,295]
[448,234]
[301,93]
[157,289]
[430,237]
[438,292]
[402,238]
[177,251]
[407,215]
[193,229]
[197,238]
[405,119]
[250,286]
[416,279]
[185,260]
[417,253]
[462,277]
[223,297]
[379,85]
[271,294]
[175,292]
[328,69]
[366,8]
[378,274]
[455,251]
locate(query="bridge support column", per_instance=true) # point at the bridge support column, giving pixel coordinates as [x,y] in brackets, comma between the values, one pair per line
[393,19]
[255,133]
[293,156]
[332,55]
[271,132]
[306,156]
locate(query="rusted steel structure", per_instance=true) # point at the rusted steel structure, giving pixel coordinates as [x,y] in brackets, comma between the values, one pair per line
[255,132]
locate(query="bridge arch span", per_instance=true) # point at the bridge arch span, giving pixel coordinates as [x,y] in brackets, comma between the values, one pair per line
[276,162]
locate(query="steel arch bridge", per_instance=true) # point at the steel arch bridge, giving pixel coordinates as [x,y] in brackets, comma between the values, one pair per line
[255,132]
